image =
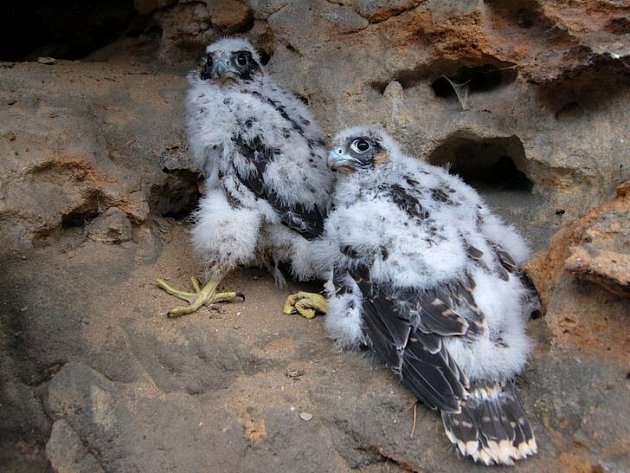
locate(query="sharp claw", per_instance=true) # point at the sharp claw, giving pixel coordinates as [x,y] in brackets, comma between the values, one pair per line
[241,295]
[178,312]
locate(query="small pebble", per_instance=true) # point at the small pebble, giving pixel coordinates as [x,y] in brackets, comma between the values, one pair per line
[294,373]
[46,60]
[306,416]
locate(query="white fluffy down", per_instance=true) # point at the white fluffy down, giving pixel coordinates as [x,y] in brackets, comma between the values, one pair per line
[223,233]
[343,322]
[506,236]
[406,252]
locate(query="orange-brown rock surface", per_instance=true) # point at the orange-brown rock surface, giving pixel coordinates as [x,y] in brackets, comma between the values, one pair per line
[583,280]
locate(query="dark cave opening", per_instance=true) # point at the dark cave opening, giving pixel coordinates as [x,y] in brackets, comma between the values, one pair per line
[177,196]
[84,213]
[501,174]
[496,164]
[482,78]
[64,29]
[79,217]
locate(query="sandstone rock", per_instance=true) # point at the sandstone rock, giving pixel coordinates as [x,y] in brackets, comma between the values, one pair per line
[608,268]
[263,9]
[602,251]
[185,32]
[376,11]
[177,194]
[112,226]
[72,152]
[589,318]
[137,207]
[327,19]
[602,231]
[230,16]
[66,452]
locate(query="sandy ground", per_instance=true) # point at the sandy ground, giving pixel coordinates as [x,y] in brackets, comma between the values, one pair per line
[124,388]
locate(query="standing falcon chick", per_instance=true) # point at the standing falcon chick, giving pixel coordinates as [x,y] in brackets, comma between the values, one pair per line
[426,276]
[263,159]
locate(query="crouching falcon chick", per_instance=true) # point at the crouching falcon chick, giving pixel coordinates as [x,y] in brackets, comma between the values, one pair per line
[263,159]
[426,276]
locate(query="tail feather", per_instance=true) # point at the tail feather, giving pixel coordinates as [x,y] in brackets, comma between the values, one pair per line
[492,427]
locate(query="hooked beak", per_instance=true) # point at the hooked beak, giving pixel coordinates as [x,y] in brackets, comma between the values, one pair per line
[337,160]
[221,68]
[218,71]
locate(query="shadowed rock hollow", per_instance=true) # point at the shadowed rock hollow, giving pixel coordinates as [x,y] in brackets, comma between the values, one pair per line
[527,101]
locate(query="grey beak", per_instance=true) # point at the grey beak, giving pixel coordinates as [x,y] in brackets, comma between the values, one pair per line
[337,158]
[220,67]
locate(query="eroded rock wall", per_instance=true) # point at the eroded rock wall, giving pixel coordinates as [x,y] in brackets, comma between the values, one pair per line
[527,100]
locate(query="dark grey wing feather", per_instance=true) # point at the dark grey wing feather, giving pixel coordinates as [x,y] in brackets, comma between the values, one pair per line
[430,375]
[307,221]
[416,354]
[404,200]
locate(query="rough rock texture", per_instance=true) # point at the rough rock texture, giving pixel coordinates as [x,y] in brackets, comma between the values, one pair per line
[112,226]
[73,146]
[527,100]
[601,253]
[583,280]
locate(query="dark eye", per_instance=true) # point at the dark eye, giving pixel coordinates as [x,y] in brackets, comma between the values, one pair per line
[241,60]
[205,71]
[361,145]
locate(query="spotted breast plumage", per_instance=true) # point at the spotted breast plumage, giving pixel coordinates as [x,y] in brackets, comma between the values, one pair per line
[263,159]
[427,277]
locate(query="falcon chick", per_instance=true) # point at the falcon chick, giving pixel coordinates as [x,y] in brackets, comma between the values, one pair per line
[427,277]
[263,158]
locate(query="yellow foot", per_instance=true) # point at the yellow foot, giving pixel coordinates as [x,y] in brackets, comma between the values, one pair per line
[199,297]
[307,304]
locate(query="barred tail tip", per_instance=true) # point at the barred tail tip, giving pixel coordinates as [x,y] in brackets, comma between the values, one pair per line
[502,452]
[491,427]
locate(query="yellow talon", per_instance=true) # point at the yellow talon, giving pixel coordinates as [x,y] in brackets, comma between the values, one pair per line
[200,296]
[307,304]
